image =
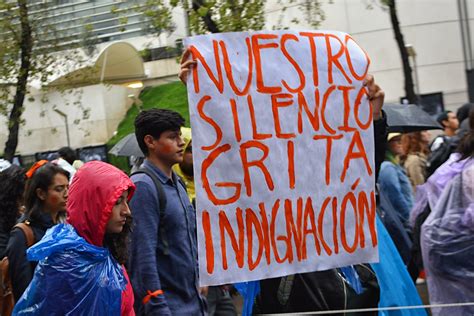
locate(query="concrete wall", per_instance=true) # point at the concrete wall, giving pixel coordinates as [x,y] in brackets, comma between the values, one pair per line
[161,69]
[44,129]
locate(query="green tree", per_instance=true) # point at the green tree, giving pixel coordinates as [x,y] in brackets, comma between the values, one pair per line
[16,65]
[29,45]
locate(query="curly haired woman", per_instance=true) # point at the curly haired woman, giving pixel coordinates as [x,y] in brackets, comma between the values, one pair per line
[415,148]
[12,186]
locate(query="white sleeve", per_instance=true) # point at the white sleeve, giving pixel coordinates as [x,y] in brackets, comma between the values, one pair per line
[437,143]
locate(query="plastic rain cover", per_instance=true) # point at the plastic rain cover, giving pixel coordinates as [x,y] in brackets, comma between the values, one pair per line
[73,277]
[447,242]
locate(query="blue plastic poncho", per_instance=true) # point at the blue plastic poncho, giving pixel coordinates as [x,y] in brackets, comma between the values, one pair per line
[65,280]
[249,291]
[396,286]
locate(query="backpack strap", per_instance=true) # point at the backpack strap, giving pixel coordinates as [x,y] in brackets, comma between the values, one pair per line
[181,181]
[162,205]
[30,238]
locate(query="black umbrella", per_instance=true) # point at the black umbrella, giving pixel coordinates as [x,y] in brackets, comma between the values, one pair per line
[127,146]
[406,118]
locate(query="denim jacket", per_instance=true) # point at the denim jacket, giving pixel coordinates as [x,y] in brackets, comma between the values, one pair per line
[395,185]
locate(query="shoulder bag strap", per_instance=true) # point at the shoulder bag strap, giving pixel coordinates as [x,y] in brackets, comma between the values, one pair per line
[30,237]
[162,205]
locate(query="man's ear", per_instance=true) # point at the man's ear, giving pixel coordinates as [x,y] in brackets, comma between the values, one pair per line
[40,194]
[149,141]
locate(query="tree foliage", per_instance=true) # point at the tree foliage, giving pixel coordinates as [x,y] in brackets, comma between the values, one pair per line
[17,64]
[30,42]
[215,16]
[226,16]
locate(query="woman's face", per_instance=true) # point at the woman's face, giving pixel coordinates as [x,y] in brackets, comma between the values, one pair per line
[395,146]
[120,213]
[54,200]
[187,163]
[425,137]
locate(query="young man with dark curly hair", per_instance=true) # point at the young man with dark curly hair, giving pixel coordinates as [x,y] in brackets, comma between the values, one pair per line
[163,266]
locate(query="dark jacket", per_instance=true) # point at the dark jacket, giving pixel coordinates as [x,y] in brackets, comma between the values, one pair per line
[380,140]
[154,266]
[21,270]
[4,236]
[396,227]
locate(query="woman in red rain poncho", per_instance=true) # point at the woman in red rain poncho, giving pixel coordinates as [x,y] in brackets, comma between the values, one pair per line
[80,270]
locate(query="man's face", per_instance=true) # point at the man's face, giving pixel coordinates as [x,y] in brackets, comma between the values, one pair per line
[169,147]
[452,121]
[187,163]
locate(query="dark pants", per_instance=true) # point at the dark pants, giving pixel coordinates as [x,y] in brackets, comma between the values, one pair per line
[219,302]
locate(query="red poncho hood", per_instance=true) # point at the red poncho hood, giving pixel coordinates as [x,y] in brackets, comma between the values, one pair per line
[92,195]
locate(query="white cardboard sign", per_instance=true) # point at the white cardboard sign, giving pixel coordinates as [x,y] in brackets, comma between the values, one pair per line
[283,154]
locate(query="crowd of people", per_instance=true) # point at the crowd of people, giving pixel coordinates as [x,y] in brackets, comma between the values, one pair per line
[428,202]
[109,244]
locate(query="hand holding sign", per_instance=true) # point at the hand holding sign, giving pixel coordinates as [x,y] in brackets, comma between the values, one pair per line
[186,64]
[283,153]
[376,96]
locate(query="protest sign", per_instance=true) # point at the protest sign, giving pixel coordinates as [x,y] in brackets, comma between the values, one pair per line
[283,154]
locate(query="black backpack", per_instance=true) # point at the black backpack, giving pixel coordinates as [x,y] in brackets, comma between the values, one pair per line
[440,155]
[317,291]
